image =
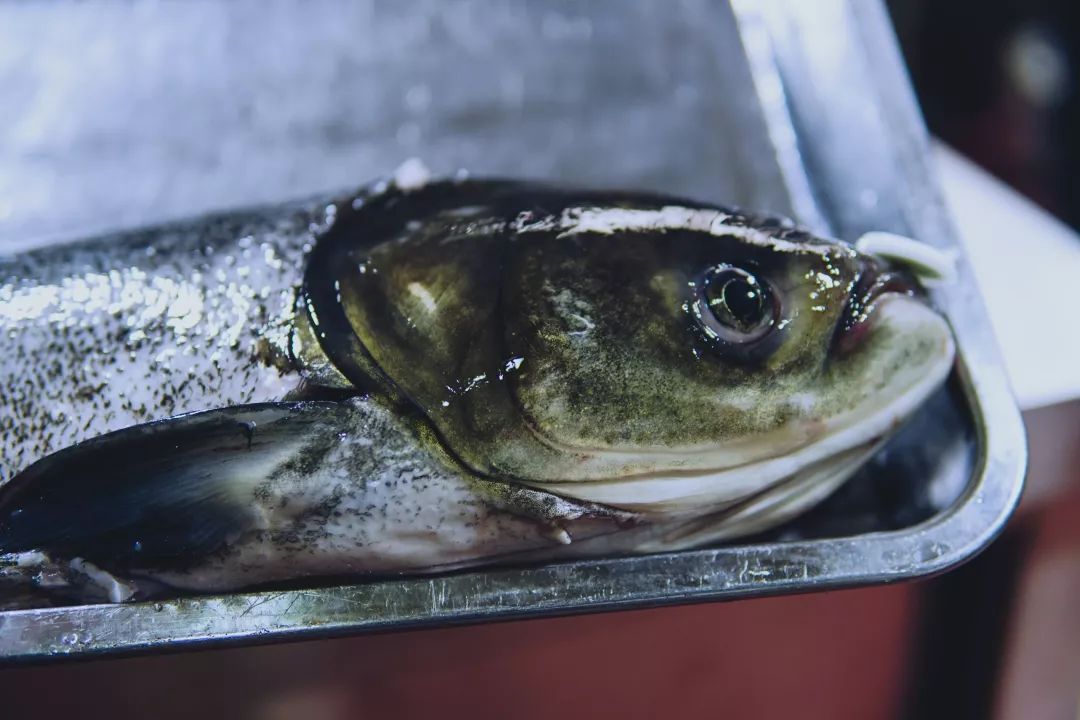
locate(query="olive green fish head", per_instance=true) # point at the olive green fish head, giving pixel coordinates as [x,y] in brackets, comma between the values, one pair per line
[636,350]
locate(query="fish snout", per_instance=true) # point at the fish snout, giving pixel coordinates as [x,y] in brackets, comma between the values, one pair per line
[874,280]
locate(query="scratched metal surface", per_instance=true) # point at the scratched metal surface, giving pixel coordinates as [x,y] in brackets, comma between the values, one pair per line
[118,114]
[773,104]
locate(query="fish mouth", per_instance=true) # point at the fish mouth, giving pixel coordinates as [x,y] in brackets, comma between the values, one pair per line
[874,282]
[906,324]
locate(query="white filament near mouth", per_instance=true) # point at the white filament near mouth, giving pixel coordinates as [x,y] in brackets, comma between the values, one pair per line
[930,264]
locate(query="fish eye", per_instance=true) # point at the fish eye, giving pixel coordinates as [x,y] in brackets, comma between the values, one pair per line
[734,306]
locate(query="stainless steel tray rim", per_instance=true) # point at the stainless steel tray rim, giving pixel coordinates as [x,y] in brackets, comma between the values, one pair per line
[734,572]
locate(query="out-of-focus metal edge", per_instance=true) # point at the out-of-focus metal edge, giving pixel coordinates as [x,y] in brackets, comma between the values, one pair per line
[895,187]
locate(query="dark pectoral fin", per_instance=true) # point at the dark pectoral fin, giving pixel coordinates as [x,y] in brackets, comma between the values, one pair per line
[167,492]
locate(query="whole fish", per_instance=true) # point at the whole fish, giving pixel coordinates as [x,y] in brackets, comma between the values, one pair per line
[431,375]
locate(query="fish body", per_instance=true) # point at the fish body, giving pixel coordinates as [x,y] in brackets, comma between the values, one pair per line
[422,378]
[106,334]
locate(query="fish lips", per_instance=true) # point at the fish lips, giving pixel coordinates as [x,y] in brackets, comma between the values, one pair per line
[875,280]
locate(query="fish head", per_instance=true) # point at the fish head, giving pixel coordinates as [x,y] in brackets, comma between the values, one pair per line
[634,350]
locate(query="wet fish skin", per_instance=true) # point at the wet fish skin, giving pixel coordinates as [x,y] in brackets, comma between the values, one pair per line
[107,333]
[308,457]
[272,492]
[123,329]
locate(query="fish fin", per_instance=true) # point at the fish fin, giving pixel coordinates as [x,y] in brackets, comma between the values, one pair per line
[163,493]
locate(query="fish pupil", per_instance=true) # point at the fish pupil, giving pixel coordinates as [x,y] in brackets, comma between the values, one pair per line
[744,302]
[736,299]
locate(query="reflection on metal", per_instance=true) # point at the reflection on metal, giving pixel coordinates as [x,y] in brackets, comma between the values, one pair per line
[860,151]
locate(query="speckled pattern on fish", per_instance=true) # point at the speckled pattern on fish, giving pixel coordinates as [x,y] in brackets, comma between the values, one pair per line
[431,375]
[98,337]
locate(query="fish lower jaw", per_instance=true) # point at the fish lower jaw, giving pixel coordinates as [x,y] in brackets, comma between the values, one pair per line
[668,493]
[774,506]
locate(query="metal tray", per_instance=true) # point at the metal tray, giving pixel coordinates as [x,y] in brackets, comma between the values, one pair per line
[818,121]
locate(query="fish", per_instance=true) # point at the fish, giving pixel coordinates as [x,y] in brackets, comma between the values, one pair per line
[424,376]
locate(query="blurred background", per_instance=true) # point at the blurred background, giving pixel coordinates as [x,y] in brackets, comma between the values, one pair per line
[998,82]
